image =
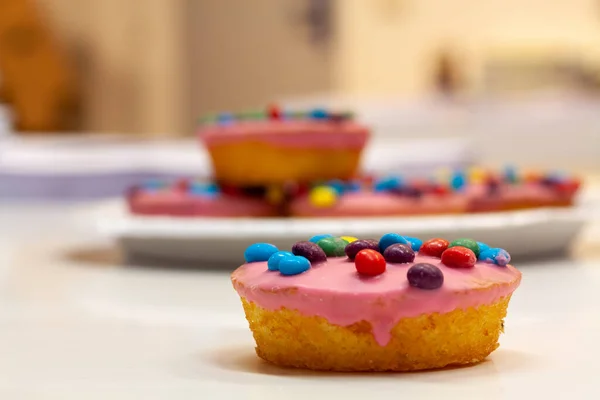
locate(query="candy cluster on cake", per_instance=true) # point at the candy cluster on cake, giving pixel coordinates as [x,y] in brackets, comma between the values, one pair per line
[280,146]
[393,304]
[360,197]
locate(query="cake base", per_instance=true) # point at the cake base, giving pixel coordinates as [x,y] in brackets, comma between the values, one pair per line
[238,164]
[287,338]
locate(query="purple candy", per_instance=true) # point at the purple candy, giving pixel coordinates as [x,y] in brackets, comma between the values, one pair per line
[399,253]
[310,251]
[425,276]
[353,248]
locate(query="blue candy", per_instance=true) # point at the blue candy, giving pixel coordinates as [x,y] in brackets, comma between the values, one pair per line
[316,238]
[353,186]
[388,183]
[203,189]
[338,186]
[458,180]
[226,118]
[275,259]
[293,265]
[495,256]
[259,252]
[318,113]
[415,243]
[153,184]
[510,174]
[389,239]
[482,247]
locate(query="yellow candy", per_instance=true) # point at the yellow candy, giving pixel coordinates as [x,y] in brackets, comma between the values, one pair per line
[275,195]
[477,175]
[349,239]
[323,196]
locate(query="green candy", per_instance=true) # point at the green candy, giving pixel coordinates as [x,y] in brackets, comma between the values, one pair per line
[468,243]
[208,119]
[333,247]
[298,114]
[348,115]
[250,115]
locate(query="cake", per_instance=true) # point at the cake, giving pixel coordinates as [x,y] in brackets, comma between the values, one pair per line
[509,190]
[278,147]
[393,304]
[388,196]
[187,198]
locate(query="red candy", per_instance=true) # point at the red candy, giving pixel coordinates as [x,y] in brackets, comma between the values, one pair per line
[434,247]
[459,257]
[230,190]
[440,190]
[369,262]
[182,185]
[568,187]
[274,112]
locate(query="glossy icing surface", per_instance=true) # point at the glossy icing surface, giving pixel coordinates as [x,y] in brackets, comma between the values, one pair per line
[519,194]
[173,202]
[335,291]
[302,133]
[366,203]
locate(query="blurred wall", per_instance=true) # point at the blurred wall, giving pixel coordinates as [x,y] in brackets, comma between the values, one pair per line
[389,46]
[255,52]
[132,58]
[153,66]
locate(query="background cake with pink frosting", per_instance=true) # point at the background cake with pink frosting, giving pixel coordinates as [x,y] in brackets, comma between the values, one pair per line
[277,146]
[393,304]
[188,198]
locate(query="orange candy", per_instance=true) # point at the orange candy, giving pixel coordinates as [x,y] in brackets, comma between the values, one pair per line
[434,247]
[459,257]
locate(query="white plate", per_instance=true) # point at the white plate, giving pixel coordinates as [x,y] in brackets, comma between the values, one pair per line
[223,240]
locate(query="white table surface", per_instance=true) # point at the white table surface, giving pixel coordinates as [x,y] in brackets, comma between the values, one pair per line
[75,324]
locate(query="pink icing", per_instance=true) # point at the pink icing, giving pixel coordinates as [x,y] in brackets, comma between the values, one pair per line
[334,291]
[370,204]
[178,203]
[305,134]
[514,195]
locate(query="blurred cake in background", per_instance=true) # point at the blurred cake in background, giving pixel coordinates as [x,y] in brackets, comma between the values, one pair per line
[463,191]
[511,190]
[277,146]
[187,198]
[390,195]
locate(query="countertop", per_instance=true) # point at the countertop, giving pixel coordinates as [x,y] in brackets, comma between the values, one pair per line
[78,324]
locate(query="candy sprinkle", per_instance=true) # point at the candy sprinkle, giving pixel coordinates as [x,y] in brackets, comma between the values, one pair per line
[316,238]
[468,243]
[459,257]
[323,196]
[259,252]
[425,276]
[369,262]
[355,247]
[495,256]
[389,239]
[293,265]
[434,247]
[349,239]
[275,259]
[415,243]
[333,247]
[309,250]
[399,254]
